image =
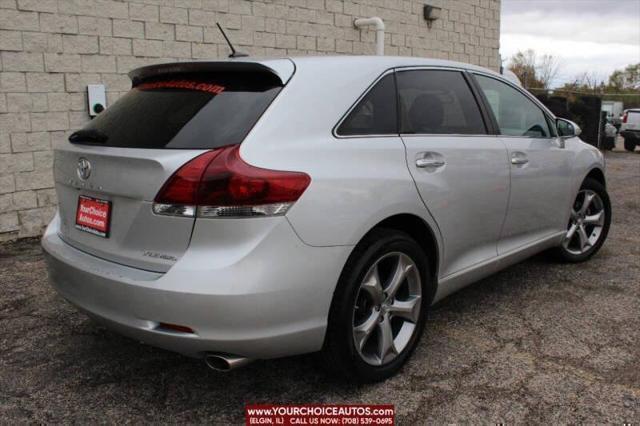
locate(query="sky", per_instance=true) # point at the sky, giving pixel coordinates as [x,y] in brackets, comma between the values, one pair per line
[596,36]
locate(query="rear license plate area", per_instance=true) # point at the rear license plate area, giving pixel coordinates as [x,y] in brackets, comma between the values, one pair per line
[93,216]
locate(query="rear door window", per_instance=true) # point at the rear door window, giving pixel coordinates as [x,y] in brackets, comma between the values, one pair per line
[516,114]
[438,102]
[184,111]
[375,114]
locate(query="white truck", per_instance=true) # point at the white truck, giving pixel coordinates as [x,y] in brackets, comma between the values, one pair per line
[630,128]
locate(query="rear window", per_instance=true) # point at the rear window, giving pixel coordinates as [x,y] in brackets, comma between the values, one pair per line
[438,102]
[375,114]
[184,111]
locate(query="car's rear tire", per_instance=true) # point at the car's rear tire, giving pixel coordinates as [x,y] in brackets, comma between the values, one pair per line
[629,144]
[375,321]
[588,225]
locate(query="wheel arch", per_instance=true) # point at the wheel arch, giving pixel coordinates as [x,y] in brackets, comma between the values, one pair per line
[419,230]
[597,174]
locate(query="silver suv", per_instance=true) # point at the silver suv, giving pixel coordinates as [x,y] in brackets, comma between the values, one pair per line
[253,209]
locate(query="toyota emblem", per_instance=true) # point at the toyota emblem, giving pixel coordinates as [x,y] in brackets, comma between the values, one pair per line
[84,168]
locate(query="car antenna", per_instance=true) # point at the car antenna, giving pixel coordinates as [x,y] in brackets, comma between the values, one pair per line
[234,53]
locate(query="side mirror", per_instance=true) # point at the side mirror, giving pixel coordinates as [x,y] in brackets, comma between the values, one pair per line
[567,128]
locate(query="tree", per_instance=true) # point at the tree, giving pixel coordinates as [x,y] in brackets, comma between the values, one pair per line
[533,71]
[622,85]
[616,81]
[627,79]
[589,81]
[523,65]
[548,69]
[623,82]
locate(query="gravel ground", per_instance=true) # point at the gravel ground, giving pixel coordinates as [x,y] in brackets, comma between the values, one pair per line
[538,342]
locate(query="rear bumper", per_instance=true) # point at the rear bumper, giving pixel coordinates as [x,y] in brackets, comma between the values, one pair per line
[267,299]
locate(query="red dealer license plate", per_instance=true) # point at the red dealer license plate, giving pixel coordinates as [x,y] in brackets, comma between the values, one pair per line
[93,216]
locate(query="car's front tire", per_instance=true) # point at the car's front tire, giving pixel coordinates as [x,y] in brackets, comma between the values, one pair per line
[588,225]
[379,307]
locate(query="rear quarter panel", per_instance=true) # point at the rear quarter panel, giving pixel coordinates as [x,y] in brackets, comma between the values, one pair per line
[355,182]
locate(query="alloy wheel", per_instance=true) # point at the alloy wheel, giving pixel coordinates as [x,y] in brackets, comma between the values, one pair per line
[586,222]
[387,308]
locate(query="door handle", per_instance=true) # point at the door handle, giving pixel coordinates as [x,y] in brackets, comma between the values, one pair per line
[429,162]
[519,158]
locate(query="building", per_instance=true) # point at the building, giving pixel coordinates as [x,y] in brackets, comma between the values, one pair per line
[50,50]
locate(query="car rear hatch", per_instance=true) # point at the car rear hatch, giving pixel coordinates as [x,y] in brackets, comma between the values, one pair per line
[109,172]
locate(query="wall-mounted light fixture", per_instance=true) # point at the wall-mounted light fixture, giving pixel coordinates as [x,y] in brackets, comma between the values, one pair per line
[431,13]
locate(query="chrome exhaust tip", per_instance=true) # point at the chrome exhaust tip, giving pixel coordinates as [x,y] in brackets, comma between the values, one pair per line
[224,363]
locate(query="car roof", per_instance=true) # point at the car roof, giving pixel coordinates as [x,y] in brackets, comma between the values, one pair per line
[284,67]
[386,62]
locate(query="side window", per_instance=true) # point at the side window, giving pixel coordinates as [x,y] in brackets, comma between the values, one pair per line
[517,115]
[437,102]
[376,113]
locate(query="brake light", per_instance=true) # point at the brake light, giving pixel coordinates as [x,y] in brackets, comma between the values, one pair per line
[219,183]
[624,117]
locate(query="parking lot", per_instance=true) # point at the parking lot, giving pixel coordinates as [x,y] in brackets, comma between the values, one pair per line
[539,342]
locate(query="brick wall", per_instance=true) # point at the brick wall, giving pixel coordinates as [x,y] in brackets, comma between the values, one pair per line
[51,49]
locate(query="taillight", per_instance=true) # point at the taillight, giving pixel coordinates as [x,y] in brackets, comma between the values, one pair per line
[624,117]
[178,195]
[219,183]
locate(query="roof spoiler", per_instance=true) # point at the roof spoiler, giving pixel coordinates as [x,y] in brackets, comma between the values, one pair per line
[281,68]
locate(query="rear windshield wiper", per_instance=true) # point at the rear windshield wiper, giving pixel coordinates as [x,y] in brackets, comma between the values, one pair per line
[88,135]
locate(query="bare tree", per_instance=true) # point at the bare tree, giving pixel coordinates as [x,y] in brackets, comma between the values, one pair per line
[591,81]
[533,71]
[523,65]
[547,69]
